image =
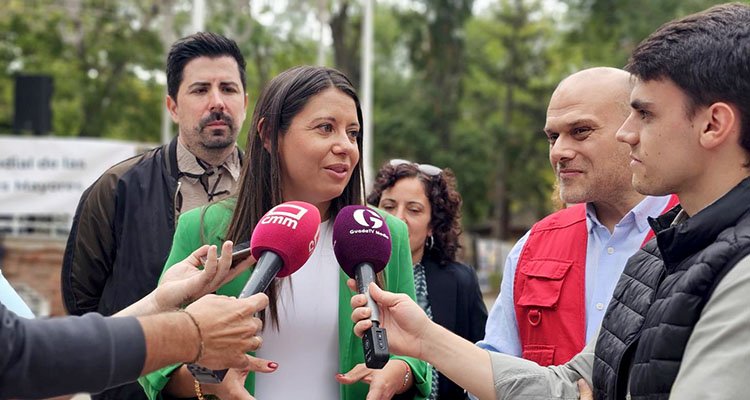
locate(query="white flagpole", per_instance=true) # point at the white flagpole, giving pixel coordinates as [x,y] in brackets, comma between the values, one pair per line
[366,79]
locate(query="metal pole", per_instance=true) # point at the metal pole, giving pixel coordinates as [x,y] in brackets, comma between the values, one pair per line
[323,19]
[367,39]
[166,122]
[199,15]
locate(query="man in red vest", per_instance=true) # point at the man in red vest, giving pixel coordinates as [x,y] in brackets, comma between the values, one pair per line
[560,275]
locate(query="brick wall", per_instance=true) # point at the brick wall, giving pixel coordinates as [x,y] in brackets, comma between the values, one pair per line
[32,266]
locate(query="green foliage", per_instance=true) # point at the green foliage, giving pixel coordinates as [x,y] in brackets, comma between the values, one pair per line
[452,88]
[107,57]
[436,44]
[91,56]
[506,91]
[470,91]
[485,121]
[608,30]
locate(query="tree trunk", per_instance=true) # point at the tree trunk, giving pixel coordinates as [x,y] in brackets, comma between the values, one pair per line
[346,40]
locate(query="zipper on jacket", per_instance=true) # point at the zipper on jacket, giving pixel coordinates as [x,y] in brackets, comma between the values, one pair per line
[174,204]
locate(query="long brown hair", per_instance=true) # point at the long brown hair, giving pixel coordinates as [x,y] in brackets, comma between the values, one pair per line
[260,181]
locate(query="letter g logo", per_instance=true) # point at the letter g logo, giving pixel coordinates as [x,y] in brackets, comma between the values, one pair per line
[368,218]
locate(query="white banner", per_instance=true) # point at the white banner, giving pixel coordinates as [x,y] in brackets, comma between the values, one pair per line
[47,175]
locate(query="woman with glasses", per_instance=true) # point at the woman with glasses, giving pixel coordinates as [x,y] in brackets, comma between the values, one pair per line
[304,144]
[425,197]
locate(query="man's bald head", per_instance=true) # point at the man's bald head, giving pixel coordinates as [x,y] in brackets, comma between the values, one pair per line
[609,84]
[583,116]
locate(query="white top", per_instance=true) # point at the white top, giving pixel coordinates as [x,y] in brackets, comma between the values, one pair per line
[306,347]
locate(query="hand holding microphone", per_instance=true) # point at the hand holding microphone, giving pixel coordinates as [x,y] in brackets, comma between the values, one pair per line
[282,242]
[362,246]
[408,326]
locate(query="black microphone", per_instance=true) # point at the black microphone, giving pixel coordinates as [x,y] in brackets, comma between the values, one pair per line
[362,245]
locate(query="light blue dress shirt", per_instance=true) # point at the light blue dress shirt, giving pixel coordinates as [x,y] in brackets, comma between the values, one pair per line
[606,255]
[11,300]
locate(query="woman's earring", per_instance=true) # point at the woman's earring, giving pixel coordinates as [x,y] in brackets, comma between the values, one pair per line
[430,242]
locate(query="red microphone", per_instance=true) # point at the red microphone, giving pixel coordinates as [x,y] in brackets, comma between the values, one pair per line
[282,243]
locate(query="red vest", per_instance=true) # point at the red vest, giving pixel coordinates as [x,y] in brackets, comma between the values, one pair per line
[549,286]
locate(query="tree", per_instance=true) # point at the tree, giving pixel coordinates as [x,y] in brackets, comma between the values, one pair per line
[107,57]
[507,86]
[607,31]
[401,112]
[346,31]
[95,51]
[436,45]
[495,140]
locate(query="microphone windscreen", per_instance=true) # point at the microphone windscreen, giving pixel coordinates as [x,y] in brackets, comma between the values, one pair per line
[291,231]
[360,235]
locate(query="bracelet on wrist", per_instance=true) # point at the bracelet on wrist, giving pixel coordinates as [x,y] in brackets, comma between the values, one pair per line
[198,391]
[407,375]
[200,337]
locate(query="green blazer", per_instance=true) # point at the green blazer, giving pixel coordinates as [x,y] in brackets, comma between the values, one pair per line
[209,224]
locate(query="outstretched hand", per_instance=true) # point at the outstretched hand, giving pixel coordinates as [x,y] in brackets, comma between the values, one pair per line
[384,383]
[185,282]
[403,319]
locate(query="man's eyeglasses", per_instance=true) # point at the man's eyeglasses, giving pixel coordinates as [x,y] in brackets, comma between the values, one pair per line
[427,169]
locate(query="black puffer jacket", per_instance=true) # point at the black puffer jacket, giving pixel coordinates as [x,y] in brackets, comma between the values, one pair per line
[661,295]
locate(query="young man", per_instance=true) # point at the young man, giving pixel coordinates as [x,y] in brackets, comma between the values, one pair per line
[677,325]
[123,228]
[560,276]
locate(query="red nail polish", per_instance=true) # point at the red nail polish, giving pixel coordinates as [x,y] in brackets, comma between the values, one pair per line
[273,365]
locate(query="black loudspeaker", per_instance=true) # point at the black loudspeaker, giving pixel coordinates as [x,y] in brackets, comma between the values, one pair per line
[32,104]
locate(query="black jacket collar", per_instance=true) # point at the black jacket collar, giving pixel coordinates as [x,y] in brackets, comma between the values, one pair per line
[676,242]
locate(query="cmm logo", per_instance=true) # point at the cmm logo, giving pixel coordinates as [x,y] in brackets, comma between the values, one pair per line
[368,218]
[314,242]
[284,214]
